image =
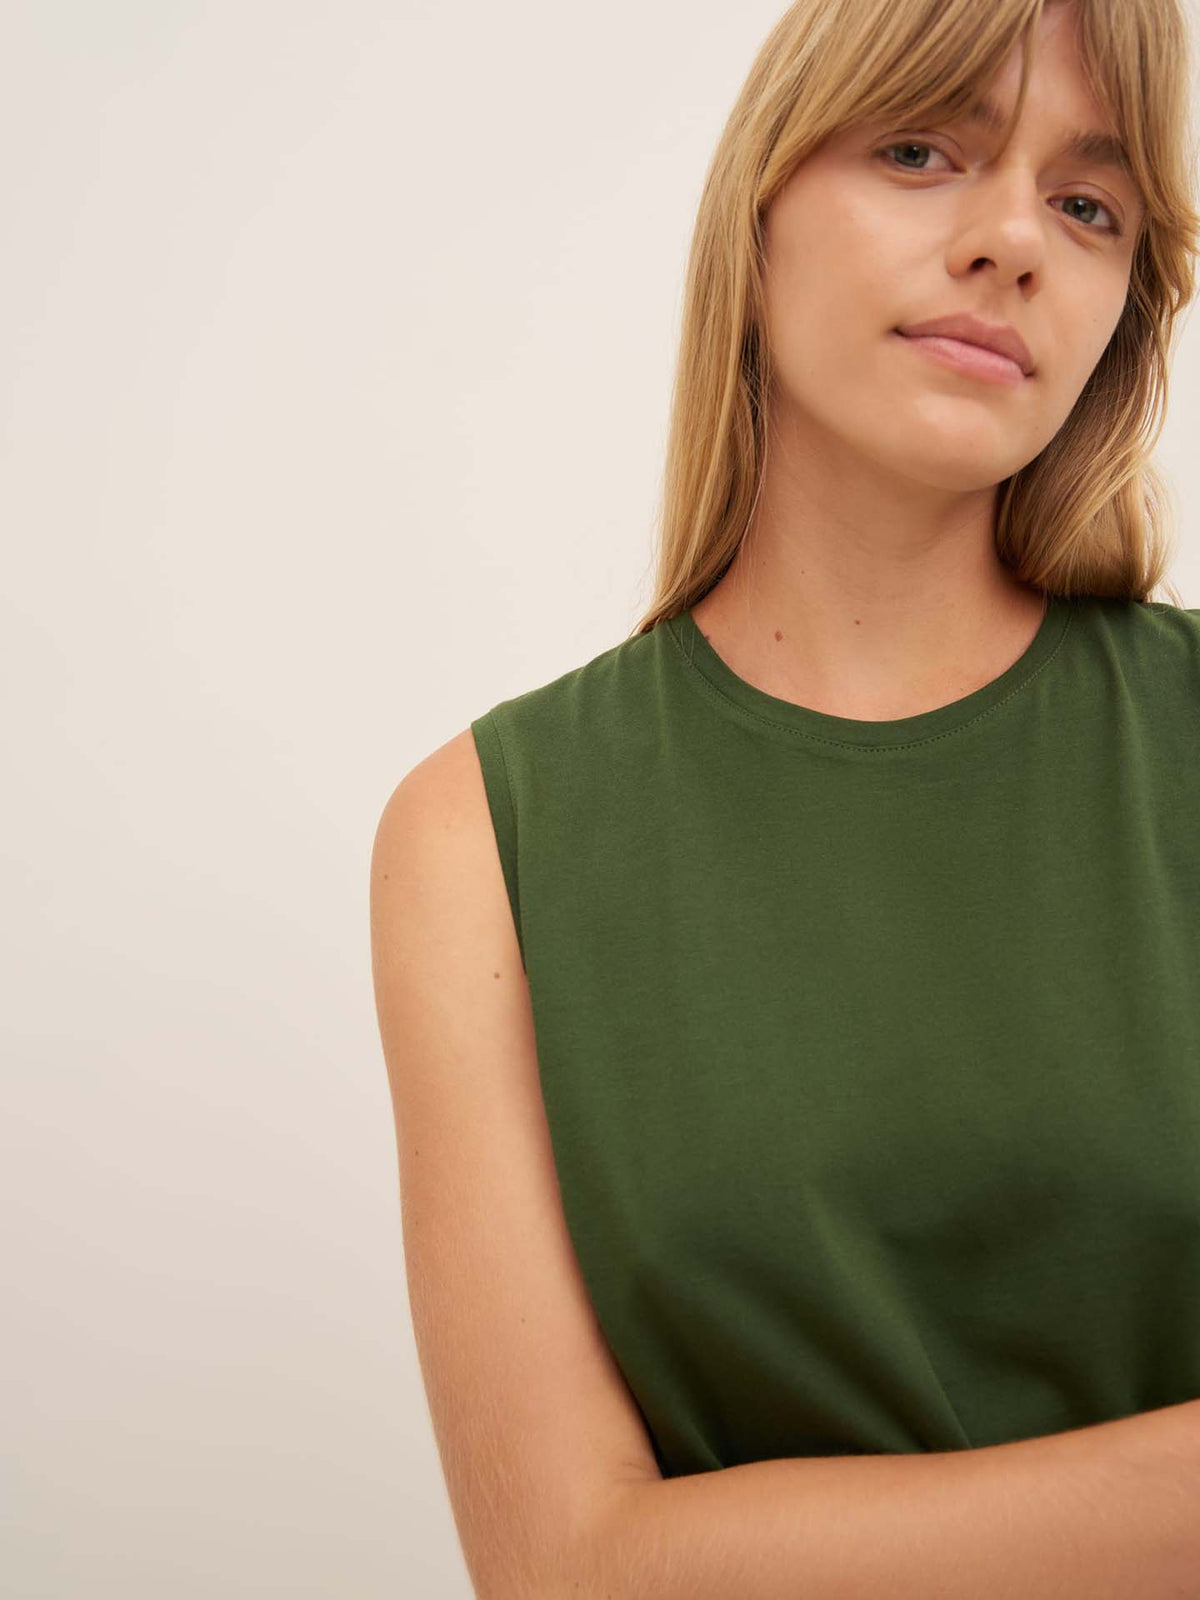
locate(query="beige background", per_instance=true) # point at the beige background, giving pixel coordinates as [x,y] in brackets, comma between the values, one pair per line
[336,348]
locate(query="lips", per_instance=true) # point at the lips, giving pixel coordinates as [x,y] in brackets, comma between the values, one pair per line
[970,360]
[1000,337]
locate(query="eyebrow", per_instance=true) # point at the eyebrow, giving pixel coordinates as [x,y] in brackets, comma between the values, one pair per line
[1090,145]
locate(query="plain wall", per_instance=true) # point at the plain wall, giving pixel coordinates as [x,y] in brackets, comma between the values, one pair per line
[337,345]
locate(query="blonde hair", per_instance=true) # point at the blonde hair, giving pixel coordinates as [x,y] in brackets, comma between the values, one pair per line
[1090,514]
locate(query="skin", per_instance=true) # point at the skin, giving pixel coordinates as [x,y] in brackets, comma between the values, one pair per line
[868,585]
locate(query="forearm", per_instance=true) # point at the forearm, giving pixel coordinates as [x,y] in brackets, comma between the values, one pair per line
[1110,1512]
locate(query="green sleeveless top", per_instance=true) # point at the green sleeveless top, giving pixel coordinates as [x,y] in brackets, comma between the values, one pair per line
[870,1051]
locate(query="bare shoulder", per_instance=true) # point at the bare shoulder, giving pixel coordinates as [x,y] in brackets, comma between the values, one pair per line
[447,965]
[536,1428]
[446,786]
[435,858]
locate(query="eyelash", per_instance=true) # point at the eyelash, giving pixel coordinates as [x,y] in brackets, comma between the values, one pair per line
[922,144]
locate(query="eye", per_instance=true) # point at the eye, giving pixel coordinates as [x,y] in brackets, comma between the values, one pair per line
[1088,201]
[907,144]
[885,153]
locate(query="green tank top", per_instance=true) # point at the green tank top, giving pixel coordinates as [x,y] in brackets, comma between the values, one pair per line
[870,1051]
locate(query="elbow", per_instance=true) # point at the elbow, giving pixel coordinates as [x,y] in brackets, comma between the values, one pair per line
[591,1565]
[585,1563]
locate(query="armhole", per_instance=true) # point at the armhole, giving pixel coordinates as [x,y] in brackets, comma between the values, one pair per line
[500,804]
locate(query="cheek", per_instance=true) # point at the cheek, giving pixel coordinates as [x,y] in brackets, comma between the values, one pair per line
[829,337]
[1067,360]
[833,292]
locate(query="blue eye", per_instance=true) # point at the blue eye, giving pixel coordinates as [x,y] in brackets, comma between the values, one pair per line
[885,152]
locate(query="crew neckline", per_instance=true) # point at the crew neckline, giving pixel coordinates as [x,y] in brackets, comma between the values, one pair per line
[758,705]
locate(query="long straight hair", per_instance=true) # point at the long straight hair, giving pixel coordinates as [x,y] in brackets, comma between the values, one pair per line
[1090,514]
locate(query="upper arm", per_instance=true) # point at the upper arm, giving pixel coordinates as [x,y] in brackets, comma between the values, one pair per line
[535,1426]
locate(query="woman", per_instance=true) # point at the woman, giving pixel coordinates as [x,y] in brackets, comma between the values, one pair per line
[793,1013]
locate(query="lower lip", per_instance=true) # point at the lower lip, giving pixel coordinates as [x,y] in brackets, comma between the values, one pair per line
[970,359]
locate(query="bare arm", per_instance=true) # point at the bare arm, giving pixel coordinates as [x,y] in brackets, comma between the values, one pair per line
[1110,1512]
[533,1419]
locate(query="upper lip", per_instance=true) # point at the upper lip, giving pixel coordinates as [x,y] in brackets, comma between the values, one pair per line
[999,336]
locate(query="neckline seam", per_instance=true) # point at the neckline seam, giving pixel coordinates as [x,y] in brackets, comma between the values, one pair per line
[738,709]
